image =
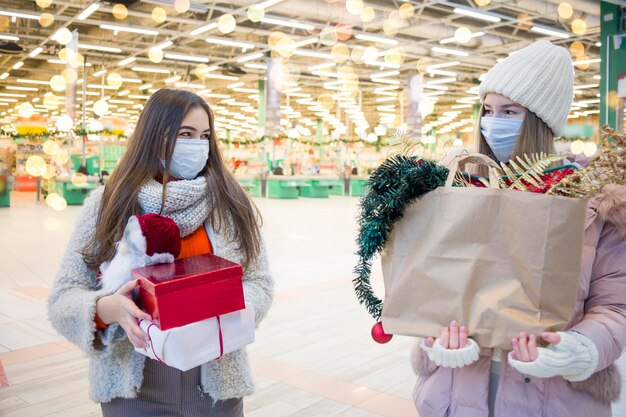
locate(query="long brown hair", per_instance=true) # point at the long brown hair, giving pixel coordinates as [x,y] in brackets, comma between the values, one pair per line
[154,139]
[534,137]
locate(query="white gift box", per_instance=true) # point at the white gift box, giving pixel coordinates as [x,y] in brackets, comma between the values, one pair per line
[192,345]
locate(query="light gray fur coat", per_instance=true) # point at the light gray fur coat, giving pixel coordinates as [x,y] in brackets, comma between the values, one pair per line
[115,369]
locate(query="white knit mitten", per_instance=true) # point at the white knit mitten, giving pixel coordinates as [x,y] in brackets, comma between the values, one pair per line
[452,358]
[574,358]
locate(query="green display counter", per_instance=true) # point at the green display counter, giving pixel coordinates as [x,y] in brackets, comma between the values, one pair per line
[92,163]
[286,187]
[5,199]
[338,188]
[74,195]
[319,187]
[252,184]
[358,185]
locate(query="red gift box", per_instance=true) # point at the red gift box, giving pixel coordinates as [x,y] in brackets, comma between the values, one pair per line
[189,290]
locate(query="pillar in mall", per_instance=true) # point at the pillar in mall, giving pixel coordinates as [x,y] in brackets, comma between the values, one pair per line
[413,116]
[613,65]
[274,75]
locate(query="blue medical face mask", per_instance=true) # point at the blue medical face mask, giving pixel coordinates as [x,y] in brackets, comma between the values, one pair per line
[501,135]
[189,158]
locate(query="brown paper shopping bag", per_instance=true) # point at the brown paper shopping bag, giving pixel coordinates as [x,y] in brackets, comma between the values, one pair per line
[499,261]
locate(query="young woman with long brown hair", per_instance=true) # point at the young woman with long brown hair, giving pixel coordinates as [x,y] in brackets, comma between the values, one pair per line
[173,167]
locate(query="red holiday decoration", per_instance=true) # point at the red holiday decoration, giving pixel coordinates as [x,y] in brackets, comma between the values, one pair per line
[379,335]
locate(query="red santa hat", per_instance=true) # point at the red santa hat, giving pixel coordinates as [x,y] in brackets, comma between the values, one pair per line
[161,233]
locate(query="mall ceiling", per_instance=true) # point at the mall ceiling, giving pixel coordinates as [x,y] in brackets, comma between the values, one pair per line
[367,85]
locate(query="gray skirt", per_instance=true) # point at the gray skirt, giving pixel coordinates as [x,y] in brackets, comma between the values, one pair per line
[168,392]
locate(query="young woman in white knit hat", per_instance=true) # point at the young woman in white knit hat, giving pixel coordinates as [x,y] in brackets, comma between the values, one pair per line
[526,99]
[172,166]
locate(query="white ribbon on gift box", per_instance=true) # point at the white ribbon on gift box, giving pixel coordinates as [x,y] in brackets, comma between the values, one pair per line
[192,345]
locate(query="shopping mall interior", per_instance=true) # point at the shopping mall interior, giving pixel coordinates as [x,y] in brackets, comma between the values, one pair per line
[309,97]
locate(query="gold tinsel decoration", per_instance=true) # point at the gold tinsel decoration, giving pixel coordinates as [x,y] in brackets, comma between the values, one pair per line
[607,167]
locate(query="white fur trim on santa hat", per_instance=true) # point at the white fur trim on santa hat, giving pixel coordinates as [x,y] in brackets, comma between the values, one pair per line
[540,77]
[134,236]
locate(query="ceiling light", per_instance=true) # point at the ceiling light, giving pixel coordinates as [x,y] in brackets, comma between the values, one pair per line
[140,97]
[288,23]
[22,15]
[207,69]
[144,87]
[385,74]
[239,84]
[130,80]
[88,11]
[123,93]
[102,86]
[14,87]
[586,61]
[121,102]
[172,79]
[384,93]
[189,85]
[442,72]
[61,62]
[386,88]
[476,14]
[256,66]
[203,29]
[305,42]
[12,95]
[99,48]
[228,42]
[441,81]
[549,31]
[453,39]
[245,90]
[449,51]
[442,65]
[381,99]
[221,77]
[121,28]
[250,57]
[382,65]
[151,69]
[127,61]
[190,58]
[9,37]
[163,45]
[378,39]
[268,3]
[385,81]
[24,81]
[18,65]
[99,73]
[322,66]
[35,52]
[580,87]
[436,87]
[304,52]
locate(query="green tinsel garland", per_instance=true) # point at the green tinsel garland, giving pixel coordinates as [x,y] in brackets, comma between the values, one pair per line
[398,182]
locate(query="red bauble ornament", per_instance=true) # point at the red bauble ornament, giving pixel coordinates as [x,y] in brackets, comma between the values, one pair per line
[379,335]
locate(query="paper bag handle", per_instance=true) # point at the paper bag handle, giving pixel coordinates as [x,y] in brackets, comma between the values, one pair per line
[474,158]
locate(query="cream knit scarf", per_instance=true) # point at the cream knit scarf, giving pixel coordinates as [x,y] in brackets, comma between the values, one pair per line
[186,202]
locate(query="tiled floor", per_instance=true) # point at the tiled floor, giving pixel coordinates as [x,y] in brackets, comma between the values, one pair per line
[313,356]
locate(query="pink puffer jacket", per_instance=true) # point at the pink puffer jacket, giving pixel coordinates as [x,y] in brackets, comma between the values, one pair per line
[600,314]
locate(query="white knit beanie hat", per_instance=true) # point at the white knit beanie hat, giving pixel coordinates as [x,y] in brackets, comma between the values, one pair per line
[540,77]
